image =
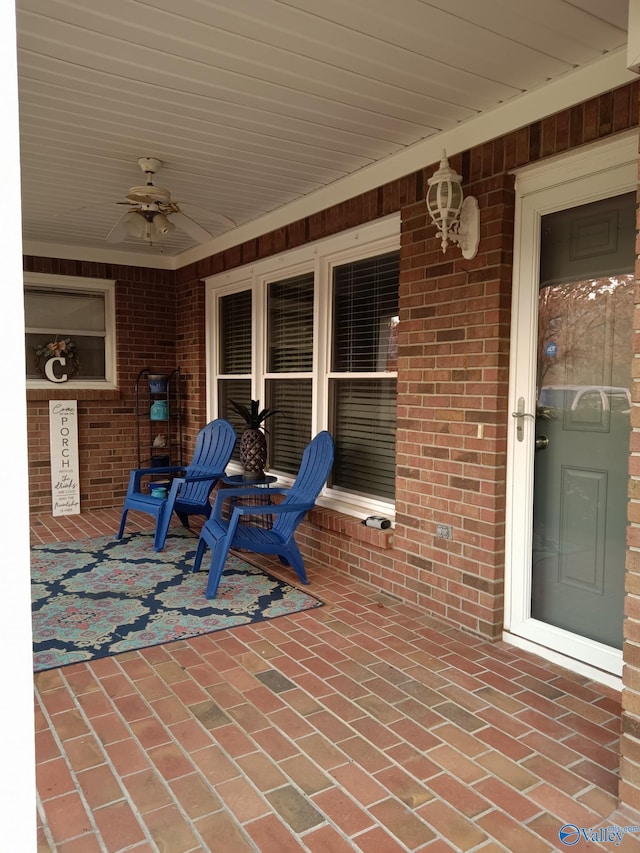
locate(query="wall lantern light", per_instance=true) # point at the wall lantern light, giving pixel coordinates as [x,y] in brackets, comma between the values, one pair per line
[456,218]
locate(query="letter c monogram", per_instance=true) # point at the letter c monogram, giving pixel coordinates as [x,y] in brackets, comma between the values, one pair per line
[49,371]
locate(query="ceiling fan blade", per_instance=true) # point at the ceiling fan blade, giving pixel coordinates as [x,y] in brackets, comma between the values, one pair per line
[222,219]
[119,230]
[69,212]
[210,214]
[191,227]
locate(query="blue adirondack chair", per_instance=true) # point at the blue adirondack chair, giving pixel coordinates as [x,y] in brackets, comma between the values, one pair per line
[221,535]
[189,494]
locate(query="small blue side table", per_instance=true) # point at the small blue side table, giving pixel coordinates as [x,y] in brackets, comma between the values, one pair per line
[238,480]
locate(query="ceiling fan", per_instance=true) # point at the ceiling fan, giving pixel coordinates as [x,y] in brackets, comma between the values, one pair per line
[150,209]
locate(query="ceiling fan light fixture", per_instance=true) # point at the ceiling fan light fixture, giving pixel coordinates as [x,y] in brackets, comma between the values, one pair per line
[163,225]
[135,224]
[150,210]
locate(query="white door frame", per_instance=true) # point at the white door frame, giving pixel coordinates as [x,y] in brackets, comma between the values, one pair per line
[604,169]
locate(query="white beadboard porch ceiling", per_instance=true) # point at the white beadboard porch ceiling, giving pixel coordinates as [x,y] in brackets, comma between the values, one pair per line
[265,110]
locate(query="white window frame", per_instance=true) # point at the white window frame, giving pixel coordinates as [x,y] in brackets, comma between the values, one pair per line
[43,281]
[320,257]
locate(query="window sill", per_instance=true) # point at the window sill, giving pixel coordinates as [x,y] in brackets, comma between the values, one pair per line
[339,521]
[70,392]
[347,525]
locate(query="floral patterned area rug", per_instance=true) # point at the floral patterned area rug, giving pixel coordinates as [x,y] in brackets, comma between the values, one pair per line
[98,597]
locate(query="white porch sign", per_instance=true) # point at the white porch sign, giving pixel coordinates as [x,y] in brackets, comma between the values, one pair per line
[63,441]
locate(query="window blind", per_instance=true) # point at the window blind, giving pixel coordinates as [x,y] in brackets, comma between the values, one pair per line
[365,305]
[290,325]
[64,311]
[240,391]
[289,431]
[363,418]
[235,333]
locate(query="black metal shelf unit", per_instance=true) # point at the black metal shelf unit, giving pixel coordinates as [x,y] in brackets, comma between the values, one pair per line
[158,410]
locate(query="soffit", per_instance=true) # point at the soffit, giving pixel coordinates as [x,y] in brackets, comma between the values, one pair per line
[261,109]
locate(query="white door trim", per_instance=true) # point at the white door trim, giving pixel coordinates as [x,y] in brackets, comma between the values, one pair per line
[605,169]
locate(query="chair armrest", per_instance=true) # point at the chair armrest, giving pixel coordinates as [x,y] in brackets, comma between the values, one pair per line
[272,509]
[136,475]
[201,477]
[165,469]
[178,482]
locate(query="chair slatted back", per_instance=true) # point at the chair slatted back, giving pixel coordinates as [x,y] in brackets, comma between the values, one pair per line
[315,467]
[214,446]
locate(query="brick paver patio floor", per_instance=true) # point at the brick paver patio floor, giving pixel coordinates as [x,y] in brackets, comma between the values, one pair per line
[362,725]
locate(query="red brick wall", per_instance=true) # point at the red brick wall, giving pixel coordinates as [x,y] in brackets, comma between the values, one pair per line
[453,383]
[146,331]
[452,374]
[191,356]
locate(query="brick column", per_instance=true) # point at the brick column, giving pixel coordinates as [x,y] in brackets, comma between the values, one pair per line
[452,413]
[191,355]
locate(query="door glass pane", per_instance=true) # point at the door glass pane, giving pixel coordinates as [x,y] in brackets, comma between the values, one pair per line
[585,328]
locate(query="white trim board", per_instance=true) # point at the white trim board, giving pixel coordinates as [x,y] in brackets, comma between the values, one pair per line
[569,663]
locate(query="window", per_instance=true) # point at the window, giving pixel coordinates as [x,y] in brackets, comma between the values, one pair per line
[313,334]
[289,384]
[79,312]
[234,356]
[362,413]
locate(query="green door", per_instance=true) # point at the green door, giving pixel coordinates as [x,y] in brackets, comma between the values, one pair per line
[583,418]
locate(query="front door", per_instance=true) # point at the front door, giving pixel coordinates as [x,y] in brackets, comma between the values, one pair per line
[583,418]
[573,427]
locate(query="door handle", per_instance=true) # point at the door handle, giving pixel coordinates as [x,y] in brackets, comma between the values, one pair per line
[520,415]
[542,442]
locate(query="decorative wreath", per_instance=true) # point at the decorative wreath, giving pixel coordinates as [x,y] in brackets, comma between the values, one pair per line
[60,347]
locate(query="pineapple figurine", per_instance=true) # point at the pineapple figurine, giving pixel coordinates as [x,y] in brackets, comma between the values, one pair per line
[253,442]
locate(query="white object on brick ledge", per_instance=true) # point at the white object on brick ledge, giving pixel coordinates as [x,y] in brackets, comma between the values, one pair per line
[378,521]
